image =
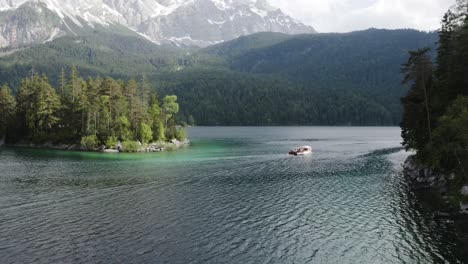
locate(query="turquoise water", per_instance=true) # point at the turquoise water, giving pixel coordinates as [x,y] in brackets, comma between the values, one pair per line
[235,196]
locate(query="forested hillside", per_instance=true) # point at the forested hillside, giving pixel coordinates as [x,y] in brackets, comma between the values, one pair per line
[367,59]
[363,67]
[100,51]
[262,79]
[220,97]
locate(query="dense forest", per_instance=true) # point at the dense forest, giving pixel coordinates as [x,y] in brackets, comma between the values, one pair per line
[91,112]
[262,79]
[220,97]
[435,120]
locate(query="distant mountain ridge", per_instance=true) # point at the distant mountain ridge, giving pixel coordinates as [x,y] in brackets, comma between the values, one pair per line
[260,79]
[349,57]
[180,22]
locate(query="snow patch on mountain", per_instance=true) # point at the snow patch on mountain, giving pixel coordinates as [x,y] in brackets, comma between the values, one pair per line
[182,22]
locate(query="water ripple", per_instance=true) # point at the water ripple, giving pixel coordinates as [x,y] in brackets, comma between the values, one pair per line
[243,207]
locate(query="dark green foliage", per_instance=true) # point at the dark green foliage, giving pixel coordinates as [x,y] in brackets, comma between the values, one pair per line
[246,44]
[130,146]
[363,63]
[217,97]
[435,123]
[366,60]
[146,133]
[89,142]
[451,137]
[38,109]
[7,109]
[98,51]
[181,135]
[89,112]
[328,79]
[111,142]
[416,124]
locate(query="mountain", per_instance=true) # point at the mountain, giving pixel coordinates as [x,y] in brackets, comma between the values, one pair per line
[367,61]
[372,55]
[180,22]
[261,79]
[30,23]
[365,64]
[100,52]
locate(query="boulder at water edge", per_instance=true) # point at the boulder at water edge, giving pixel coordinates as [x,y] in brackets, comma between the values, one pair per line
[464,191]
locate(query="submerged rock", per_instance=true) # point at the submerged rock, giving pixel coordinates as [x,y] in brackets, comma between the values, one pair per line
[464,191]
[101,148]
[153,147]
[463,208]
[438,215]
[452,176]
[424,178]
[176,142]
[119,146]
[110,151]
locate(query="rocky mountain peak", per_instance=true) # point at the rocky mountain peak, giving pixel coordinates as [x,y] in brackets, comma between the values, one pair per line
[181,22]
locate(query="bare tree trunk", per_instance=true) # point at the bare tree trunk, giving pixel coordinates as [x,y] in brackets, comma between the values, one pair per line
[460,164]
[165,126]
[426,102]
[95,123]
[428,114]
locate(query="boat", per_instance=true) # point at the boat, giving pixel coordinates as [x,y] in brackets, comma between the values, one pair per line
[304,150]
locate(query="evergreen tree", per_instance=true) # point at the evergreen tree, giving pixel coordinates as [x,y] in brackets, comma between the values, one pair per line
[156,118]
[73,96]
[92,112]
[62,84]
[146,134]
[38,105]
[7,109]
[451,138]
[137,108]
[145,90]
[169,108]
[417,72]
[435,121]
[116,104]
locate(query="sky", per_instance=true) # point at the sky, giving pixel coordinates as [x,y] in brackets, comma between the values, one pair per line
[351,15]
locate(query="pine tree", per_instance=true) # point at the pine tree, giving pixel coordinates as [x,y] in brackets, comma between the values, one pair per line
[137,108]
[416,124]
[435,120]
[38,104]
[116,104]
[169,108]
[62,83]
[146,134]
[145,90]
[7,109]
[156,118]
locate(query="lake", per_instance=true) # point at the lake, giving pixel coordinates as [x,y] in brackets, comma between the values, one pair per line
[234,197]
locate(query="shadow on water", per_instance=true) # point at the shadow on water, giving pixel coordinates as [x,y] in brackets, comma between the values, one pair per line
[381,152]
[228,199]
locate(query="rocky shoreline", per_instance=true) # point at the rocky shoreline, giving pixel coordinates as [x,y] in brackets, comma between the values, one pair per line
[422,178]
[441,193]
[151,147]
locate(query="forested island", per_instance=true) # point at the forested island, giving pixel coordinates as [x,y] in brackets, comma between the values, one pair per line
[93,114]
[435,120]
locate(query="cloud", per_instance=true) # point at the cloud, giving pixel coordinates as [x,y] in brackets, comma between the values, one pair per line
[351,15]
